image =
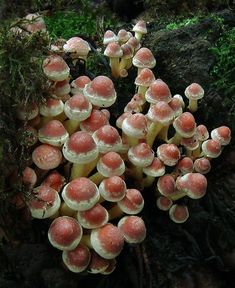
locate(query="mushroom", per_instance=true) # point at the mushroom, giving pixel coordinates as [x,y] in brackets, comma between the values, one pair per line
[194,92]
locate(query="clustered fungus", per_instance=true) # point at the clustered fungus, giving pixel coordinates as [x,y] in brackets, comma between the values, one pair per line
[87,161]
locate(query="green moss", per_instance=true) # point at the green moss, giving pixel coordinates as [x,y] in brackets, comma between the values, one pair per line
[182,23]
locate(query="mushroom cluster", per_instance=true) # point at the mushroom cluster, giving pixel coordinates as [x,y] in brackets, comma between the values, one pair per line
[81,164]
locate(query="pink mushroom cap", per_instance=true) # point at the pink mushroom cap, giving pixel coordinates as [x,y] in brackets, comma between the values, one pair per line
[113,189]
[107,241]
[65,233]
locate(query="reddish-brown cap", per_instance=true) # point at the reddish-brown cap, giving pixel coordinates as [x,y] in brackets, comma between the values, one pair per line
[202,132]
[77,45]
[107,139]
[222,135]
[65,233]
[169,154]
[164,203]
[36,23]
[54,180]
[134,43]
[97,263]
[127,51]
[194,91]
[132,203]
[185,125]
[155,169]
[190,143]
[96,120]
[158,91]
[166,185]
[47,157]
[145,78]
[94,217]
[160,112]
[78,84]
[176,106]
[140,27]
[55,68]
[179,213]
[45,202]
[111,267]
[77,107]
[52,107]
[113,189]
[135,125]
[80,148]
[113,50]
[107,241]
[61,88]
[144,58]
[141,155]
[211,148]
[109,37]
[185,165]
[53,133]
[202,165]
[111,164]
[81,194]
[193,184]
[133,229]
[77,260]
[123,36]
[29,177]
[100,91]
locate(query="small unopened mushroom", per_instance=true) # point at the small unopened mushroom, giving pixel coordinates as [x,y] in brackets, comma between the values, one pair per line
[133,229]
[77,260]
[194,92]
[107,241]
[140,29]
[65,233]
[97,263]
[179,213]
[222,135]
[113,189]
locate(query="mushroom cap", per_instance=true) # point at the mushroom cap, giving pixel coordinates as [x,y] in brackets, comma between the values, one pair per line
[77,107]
[158,91]
[78,84]
[45,203]
[81,194]
[144,58]
[194,92]
[135,125]
[176,106]
[77,260]
[97,263]
[53,133]
[96,120]
[133,229]
[47,157]
[178,213]
[113,189]
[110,268]
[140,27]
[123,36]
[134,43]
[193,184]
[100,91]
[202,165]
[127,51]
[113,50]
[111,164]
[29,177]
[80,148]
[61,88]
[164,203]
[55,68]
[190,143]
[161,113]
[107,139]
[107,241]
[141,155]
[94,217]
[65,233]
[166,185]
[132,203]
[222,135]
[109,37]
[185,125]
[145,78]
[185,165]
[37,23]
[54,180]
[77,45]
[169,154]
[52,107]
[211,148]
[202,132]
[155,169]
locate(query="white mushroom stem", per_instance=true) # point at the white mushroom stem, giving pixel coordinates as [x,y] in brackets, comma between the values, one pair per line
[193,105]
[153,131]
[114,65]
